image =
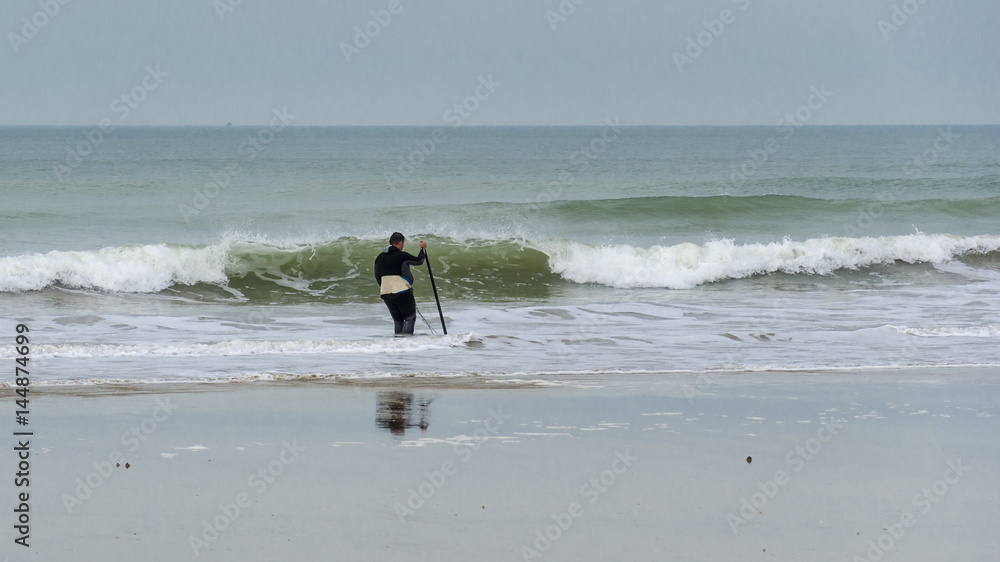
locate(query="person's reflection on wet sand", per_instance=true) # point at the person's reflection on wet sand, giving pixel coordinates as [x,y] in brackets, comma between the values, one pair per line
[397,411]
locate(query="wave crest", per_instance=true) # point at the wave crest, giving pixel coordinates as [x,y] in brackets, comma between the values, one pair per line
[504,269]
[128,269]
[687,265]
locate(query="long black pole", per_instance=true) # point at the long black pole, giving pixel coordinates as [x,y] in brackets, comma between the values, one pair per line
[436,299]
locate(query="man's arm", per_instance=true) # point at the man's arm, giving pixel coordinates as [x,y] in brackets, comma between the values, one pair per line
[419,258]
[416,260]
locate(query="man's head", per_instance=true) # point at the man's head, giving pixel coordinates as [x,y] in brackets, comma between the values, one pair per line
[397,240]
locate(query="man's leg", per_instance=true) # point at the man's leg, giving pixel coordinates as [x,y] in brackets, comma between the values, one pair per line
[408,310]
[397,316]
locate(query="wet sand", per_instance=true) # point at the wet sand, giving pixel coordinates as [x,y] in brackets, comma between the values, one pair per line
[771,466]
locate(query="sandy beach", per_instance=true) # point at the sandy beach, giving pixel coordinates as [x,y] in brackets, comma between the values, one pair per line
[794,466]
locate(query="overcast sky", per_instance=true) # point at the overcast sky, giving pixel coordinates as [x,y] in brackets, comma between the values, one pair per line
[235,61]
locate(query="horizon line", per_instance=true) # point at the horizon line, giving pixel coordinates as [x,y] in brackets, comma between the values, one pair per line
[230,125]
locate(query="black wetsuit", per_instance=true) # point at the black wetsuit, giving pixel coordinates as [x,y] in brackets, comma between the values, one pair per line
[402,306]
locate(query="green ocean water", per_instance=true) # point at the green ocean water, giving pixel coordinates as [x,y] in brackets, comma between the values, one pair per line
[674,238]
[647,184]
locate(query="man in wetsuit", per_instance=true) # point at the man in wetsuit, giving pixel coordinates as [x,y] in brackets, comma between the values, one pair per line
[392,273]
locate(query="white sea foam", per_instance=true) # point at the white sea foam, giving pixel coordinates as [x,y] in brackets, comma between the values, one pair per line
[153,268]
[488,379]
[130,269]
[248,347]
[992,331]
[687,265]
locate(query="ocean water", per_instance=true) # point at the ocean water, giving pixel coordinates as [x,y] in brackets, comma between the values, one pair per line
[240,254]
